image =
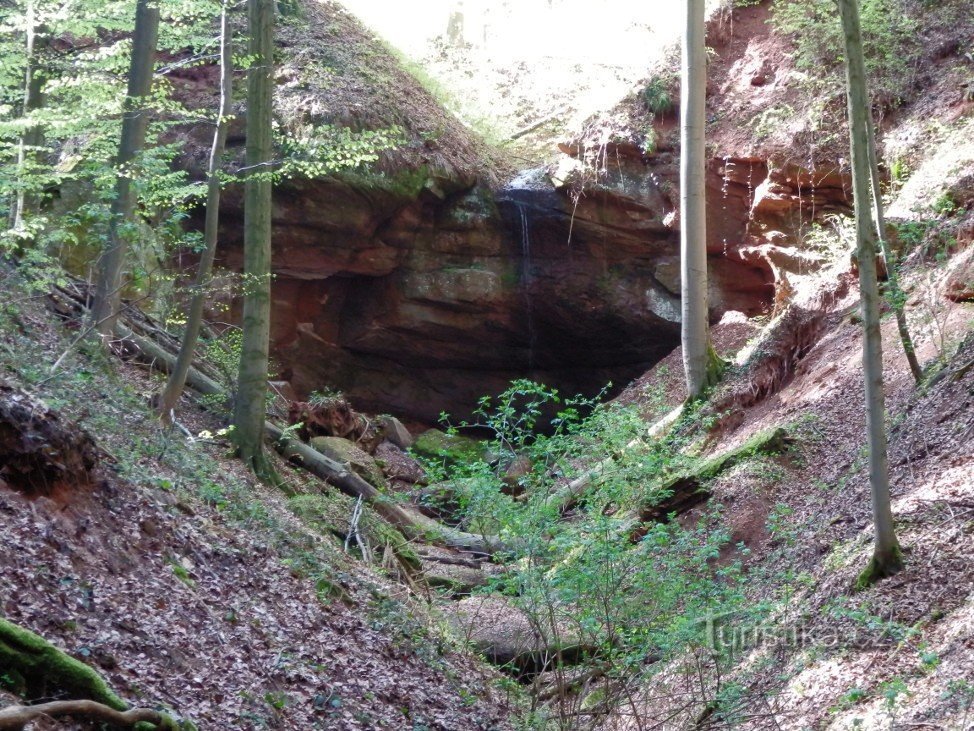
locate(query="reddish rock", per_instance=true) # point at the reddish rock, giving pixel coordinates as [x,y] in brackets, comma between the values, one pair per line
[417,299]
[959,285]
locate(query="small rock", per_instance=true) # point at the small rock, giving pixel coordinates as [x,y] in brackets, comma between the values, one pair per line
[397,465]
[393,430]
[520,468]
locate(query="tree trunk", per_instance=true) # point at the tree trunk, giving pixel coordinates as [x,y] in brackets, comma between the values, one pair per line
[699,361]
[892,272]
[109,277]
[187,349]
[249,407]
[32,136]
[886,559]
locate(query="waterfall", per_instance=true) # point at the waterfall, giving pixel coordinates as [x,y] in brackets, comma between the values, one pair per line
[725,184]
[526,282]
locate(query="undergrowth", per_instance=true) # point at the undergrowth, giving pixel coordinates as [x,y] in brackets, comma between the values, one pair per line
[586,571]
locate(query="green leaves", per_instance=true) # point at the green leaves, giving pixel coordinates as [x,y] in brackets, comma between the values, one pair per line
[630,600]
[890,42]
[317,151]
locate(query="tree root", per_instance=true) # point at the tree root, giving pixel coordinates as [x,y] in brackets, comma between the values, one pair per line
[42,669]
[14,718]
[41,453]
[774,358]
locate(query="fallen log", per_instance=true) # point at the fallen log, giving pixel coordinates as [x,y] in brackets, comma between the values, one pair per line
[688,488]
[411,522]
[566,497]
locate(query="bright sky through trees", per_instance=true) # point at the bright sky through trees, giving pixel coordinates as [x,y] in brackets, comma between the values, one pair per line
[615,32]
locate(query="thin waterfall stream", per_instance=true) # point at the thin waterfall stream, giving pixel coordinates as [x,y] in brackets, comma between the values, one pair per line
[526,282]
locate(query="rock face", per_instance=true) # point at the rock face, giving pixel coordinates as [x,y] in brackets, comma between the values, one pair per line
[419,293]
[418,289]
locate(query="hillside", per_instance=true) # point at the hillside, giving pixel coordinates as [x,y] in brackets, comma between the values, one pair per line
[622,559]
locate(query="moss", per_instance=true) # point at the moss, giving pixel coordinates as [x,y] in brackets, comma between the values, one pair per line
[450,449]
[357,460]
[404,184]
[768,442]
[593,700]
[46,669]
[687,488]
[880,566]
[329,514]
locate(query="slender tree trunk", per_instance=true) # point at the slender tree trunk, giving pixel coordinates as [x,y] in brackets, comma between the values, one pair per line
[887,559]
[109,276]
[699,360]
[249,407]
[32,136]
[187,349]
[892,271]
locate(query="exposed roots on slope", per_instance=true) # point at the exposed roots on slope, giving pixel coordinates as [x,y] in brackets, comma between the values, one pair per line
[41,454]
[41,670]
[14,718]
[772,360]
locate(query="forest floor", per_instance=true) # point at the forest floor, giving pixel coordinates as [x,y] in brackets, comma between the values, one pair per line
[190,585]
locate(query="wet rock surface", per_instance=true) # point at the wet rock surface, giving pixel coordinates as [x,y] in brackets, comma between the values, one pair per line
[415,294]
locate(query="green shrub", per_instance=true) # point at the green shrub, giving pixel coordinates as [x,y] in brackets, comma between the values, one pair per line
[889,35]
[627,599]
[657,97]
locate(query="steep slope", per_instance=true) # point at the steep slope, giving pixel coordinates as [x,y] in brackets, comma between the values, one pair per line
[188,585]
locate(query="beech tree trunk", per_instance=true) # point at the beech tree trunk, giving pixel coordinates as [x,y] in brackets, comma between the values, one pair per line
[249,407]
[108,284]
[32,136]
[892,273]
[887,558]
[699,360]
[187,350]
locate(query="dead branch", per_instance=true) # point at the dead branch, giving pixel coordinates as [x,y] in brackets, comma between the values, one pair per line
[411,522]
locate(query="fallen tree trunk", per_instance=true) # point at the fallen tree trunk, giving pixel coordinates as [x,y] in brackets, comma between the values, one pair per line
[566,497]
[14,718]
[411,522]
[773,359]
[687,489]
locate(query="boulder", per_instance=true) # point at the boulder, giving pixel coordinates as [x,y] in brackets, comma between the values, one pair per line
[506,635]
[397,465]
[355,459]
[394,431]
[450,449]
